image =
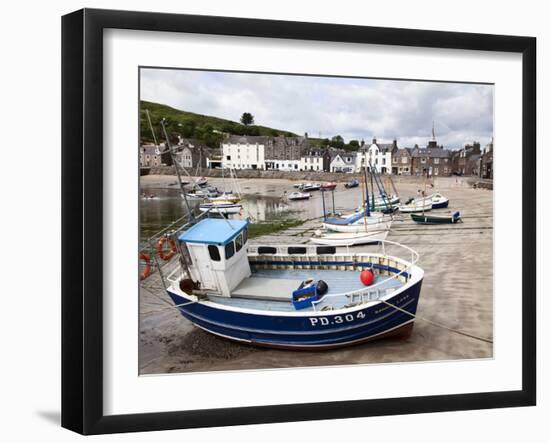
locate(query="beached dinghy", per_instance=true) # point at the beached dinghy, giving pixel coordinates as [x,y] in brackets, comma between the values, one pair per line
[261,294]
[436,219]
[422,205]
[221,207]
[349,238]
[310,187]
[352,184]
[299,196]
[226,197]
[356,222]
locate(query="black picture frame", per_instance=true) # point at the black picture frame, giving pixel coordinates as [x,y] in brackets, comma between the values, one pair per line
[82,218]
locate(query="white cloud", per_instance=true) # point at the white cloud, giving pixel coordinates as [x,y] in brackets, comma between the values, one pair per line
[353,108]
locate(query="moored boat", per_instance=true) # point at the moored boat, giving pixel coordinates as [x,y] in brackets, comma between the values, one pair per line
[299,196]
[356,222]
[352,184]
[328,185]
[221,207]
[423,205]
[438,201]
[310,187]
[227,197]
[349,238]
[272,295]
[437,219]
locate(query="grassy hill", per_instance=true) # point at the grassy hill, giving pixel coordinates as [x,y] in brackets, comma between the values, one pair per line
[191,125]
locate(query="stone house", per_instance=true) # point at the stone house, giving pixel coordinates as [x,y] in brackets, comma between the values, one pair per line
[152,155]
[435,161]
[192,153]
[401,161]
[461,159]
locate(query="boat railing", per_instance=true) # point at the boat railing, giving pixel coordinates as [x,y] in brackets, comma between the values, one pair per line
[364,294]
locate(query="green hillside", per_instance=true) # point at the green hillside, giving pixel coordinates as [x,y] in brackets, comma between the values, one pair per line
[191,125]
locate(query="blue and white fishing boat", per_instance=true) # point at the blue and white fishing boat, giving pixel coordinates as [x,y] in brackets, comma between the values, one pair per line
[291,297]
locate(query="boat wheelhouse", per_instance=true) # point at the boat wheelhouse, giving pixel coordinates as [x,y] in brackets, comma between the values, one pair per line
[254,293]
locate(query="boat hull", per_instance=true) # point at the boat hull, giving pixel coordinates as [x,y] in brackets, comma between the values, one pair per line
[377,225]
[350,239]
[440,205]
[435,220]
[306,331]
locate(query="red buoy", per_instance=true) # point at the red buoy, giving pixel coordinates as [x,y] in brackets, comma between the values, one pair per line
[367,277]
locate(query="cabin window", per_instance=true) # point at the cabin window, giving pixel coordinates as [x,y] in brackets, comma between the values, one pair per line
[214,253]
[229,250]
[245,236]
[239,242]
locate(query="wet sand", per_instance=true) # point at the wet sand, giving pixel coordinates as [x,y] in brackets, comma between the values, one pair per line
[457,292]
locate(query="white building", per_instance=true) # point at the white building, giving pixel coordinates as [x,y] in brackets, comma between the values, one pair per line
[244,152]
[344,162]
[310,162]
[377,154]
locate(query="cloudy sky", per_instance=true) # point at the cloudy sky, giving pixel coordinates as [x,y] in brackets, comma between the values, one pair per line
[350,107]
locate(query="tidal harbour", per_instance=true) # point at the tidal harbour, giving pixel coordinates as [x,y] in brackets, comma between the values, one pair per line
[457,290]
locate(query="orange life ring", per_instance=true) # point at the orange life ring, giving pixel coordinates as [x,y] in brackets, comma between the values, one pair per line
[160,248]
[147,269]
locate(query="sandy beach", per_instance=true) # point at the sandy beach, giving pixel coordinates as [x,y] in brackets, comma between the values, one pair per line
[457,292]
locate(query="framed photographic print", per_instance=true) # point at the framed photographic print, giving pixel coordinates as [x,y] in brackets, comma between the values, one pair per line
[269,221]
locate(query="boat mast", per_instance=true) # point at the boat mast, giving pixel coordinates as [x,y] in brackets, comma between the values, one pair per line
[365,192]
[176,166]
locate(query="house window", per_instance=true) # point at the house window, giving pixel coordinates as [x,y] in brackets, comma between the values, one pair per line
[403,160]
[436,171]
[228,157]
[229,250]
[214,253]
[445,170]
[436,161]
[423,160]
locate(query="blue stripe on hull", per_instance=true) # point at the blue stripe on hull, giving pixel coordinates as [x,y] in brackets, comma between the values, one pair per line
[306,330]
[440,205]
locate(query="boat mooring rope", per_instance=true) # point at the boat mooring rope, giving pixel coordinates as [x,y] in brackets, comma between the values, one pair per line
[439,325]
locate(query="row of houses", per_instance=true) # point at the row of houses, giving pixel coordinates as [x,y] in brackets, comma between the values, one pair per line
[296,154]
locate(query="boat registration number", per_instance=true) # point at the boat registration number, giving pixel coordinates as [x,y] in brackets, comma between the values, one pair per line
[337,319]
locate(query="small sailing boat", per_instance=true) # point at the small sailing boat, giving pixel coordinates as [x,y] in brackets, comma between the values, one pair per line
[221,207]
[299,196]
[438,201]
[227,197]
[437,219]
[358,222]
[359,228]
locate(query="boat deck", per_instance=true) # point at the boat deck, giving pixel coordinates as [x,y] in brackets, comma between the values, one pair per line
[271,289]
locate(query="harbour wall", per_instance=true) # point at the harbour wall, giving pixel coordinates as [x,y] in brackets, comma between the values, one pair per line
[287,175]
